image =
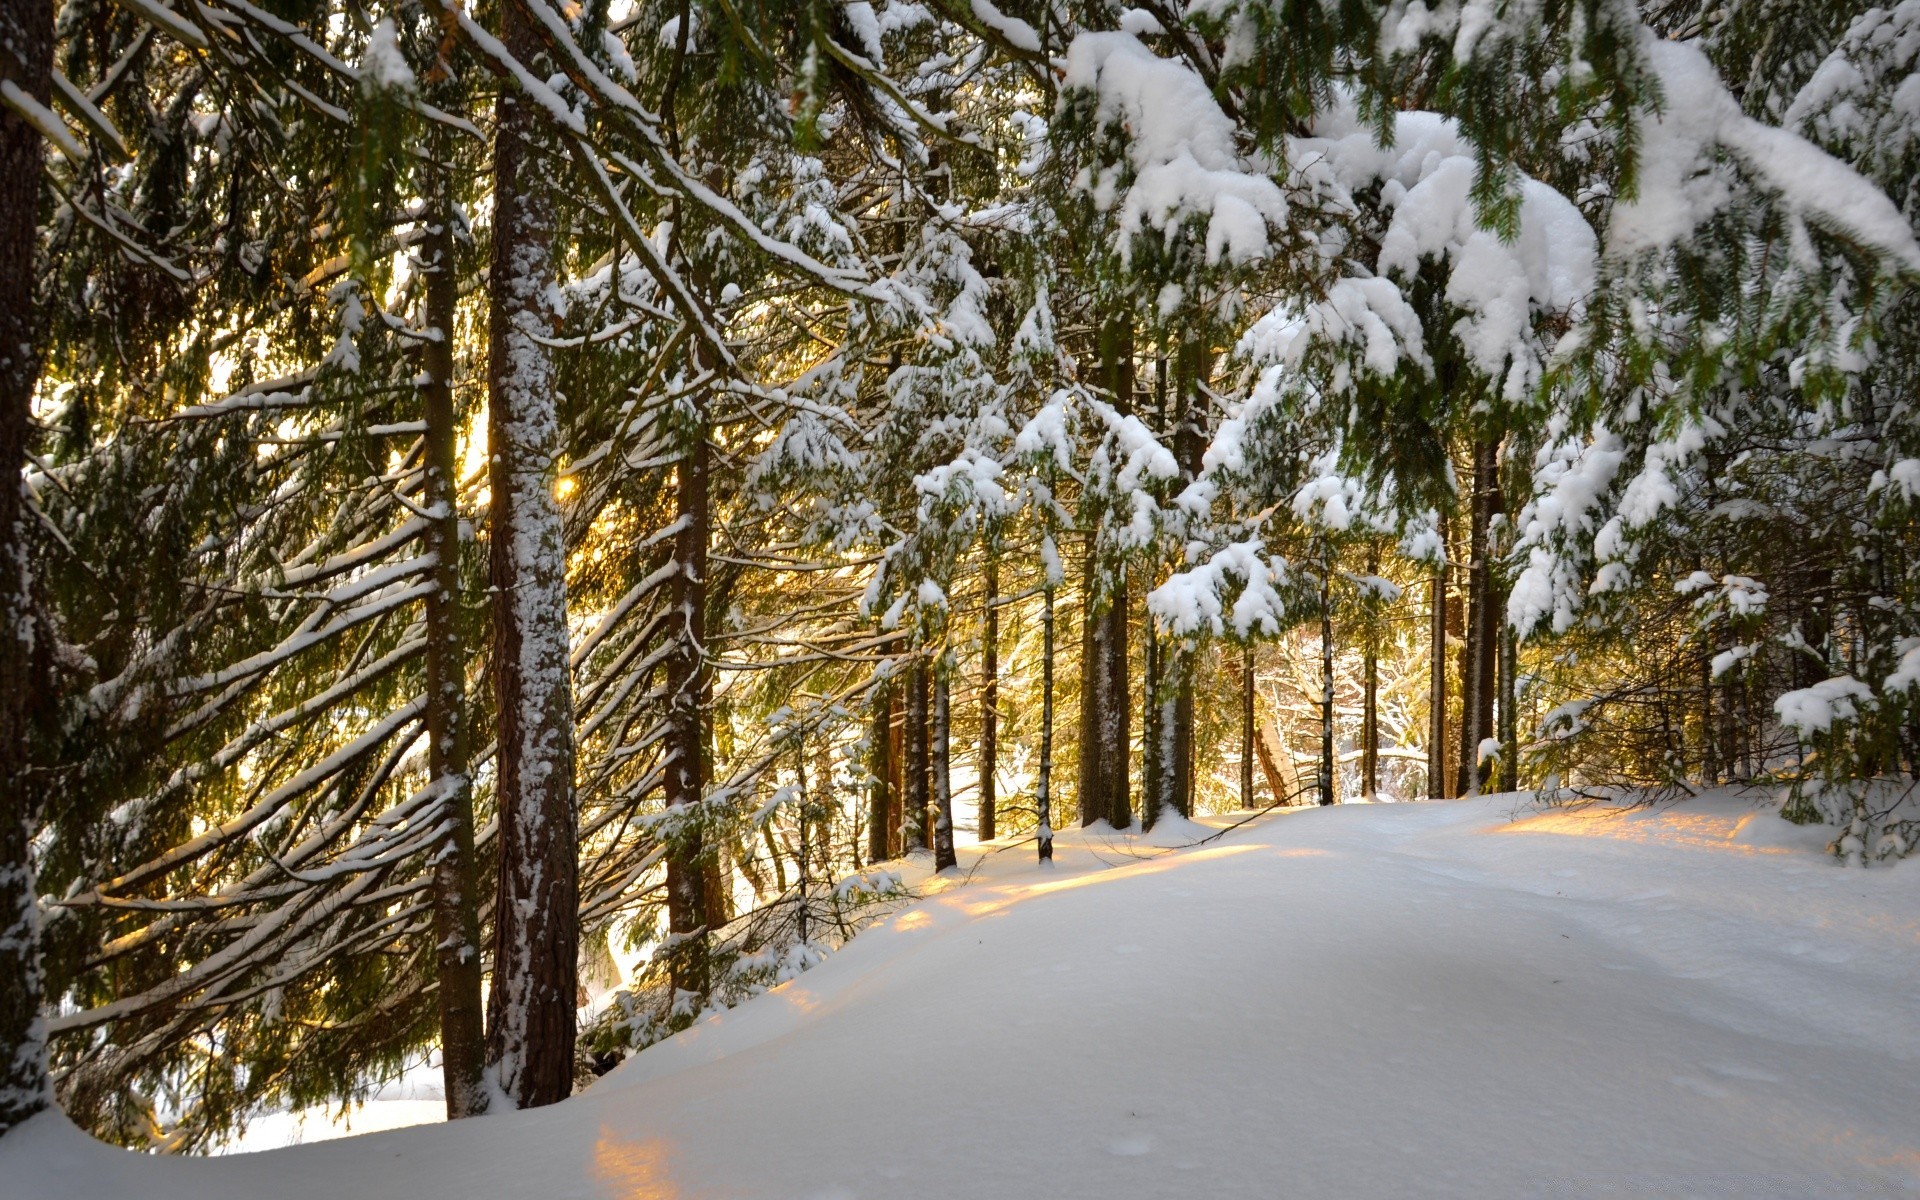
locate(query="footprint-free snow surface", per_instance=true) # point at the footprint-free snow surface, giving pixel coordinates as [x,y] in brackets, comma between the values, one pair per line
[1470,999]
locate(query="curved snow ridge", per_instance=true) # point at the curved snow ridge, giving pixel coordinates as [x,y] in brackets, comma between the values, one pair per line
[1473,998]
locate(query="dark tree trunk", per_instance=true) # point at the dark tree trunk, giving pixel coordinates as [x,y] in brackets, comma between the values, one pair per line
[1247,729]
[1091,790]
[1325,781]
[1043,787]
[1509,716]
[463,1040]
[881,817]
[531,1008]
[919,776]
[897,759]
[1478,686]
[1116,713]
[688,920]
[942,762]
[26,30]
[1155,727]
[990,703]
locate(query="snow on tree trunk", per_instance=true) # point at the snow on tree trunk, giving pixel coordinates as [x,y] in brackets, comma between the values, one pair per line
[1437,677]
[456,919]
[531,1009]
[26,30]
[917,798]
[942,764]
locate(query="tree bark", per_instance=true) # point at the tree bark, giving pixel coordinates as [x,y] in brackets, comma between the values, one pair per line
[1116,714]
[1247,729]
[1509,716]
[990,702]
[26,58]
[1325,781]
[942,763]
[881,818]
[918,794]
[1043,787]
[463,1042]
[531,1008]
[1478,686]
[1091,790]
[688,921]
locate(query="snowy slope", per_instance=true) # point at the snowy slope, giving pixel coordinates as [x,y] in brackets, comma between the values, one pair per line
[1366,1001]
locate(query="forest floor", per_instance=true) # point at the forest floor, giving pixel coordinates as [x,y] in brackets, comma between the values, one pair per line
[1469,998]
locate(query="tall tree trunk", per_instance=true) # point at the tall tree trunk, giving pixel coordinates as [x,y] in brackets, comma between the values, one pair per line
[1370,727]
[1437,677]
[943,856]
[1091,790]
[688,921]
[1155,727]
[1043,787]
[1116,715]
[803,826]
[1182,740]
[531,1008]
[1326,681]
[26,58]
[1247,729]
[456,920]
[918,794]
[990,703]
[1476,718]
[1509,716]
[880,808]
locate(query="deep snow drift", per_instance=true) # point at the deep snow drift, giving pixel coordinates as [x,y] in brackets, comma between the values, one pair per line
[1430,999]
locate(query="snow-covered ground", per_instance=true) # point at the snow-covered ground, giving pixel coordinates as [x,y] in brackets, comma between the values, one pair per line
[1431,999]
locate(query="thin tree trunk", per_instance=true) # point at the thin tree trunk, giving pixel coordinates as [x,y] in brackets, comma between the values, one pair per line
[918,797]
[463,1041]
[1370,727]
[1091,790]
[804,821]
[1326,681]
[1043,787]
[1153,732]
[990,703]
[943,856]
[880,815]
[1117,715]
[531,1008]
[1509,713]
[1246,729]
[26,30]
[1182,732]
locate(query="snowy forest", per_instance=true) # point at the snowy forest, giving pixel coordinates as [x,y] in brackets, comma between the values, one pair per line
[533,523]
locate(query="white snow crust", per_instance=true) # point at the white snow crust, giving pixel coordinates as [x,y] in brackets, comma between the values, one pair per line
[1473,998]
